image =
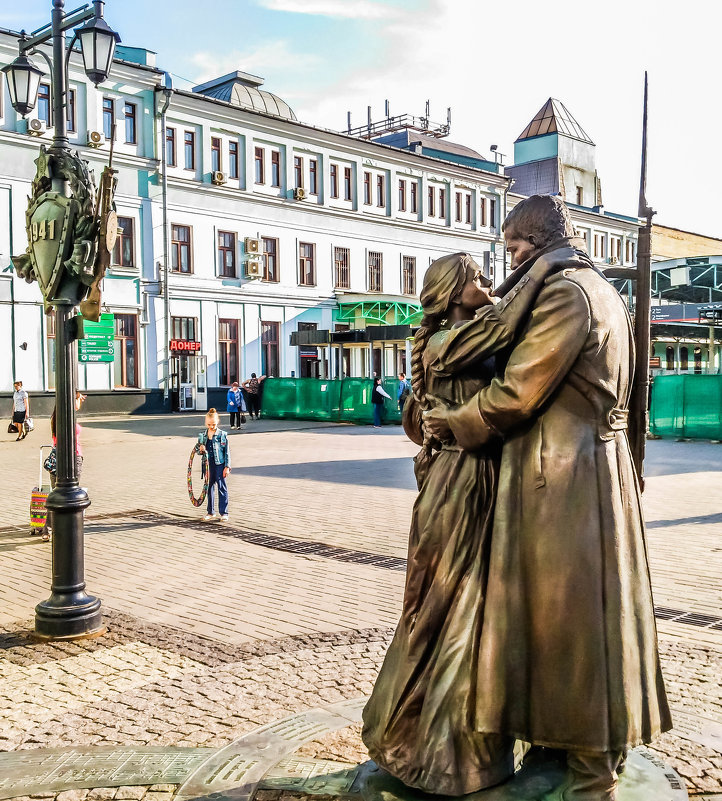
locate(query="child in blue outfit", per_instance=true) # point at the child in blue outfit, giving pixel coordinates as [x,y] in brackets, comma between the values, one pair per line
[214,442]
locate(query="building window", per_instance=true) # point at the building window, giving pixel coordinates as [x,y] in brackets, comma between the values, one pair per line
[467,201]
[683,359]
[227,352]
[298,171]
[376,269]
[408,275]
[615,249]
[226,254]
[313,176]
[482,216]
[189,149]
[334,180]
[44,105]
[306,264]
[669,358]
[70,112]
[275,168]
[215,154]
[180,249]
[270,266]
[457,207]
[170,147]
[108,117]
[233,159]
[260,154]
[183,328]
[123,249]
[442,202]
[432,201]
[125,362]
[347,183]
[599,246]
[367,188]
[630,251]
[380,191]
[402,195]
[580,196]
[269,349]
[129,112]
[492,213]
[342,268]
[414,197]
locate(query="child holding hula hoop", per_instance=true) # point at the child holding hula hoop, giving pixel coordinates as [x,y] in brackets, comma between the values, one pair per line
[214,442]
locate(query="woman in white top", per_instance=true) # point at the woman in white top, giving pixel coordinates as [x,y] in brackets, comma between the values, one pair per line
[21,409]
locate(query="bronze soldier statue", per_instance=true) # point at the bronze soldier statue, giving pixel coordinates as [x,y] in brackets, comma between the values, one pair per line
[568,654]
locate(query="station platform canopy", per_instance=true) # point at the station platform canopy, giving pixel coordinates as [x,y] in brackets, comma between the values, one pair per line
[383,311]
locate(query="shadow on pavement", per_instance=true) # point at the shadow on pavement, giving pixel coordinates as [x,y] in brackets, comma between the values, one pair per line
[697,520]
[396,473]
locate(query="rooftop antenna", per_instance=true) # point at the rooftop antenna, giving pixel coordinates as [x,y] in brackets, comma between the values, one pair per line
[348,121]
[448,116]
[368,121]
[386,110]
[428,109]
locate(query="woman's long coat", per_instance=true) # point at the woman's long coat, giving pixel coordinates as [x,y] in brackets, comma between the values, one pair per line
[568,652]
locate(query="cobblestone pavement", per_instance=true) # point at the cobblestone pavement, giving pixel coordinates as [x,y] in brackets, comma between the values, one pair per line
[215,629]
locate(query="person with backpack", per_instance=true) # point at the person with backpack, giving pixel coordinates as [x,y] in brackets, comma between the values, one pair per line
[252,388]
[403,393]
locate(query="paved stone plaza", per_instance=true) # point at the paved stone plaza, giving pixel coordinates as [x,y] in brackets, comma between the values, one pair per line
[217,629]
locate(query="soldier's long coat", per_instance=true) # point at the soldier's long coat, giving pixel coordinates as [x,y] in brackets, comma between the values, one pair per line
[568,652]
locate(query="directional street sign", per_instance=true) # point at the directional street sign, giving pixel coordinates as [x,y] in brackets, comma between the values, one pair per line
[97,344]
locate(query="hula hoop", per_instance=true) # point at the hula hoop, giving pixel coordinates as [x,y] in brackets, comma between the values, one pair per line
[204,473]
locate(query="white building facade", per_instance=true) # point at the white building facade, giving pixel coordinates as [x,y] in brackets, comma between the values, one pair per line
[265,227]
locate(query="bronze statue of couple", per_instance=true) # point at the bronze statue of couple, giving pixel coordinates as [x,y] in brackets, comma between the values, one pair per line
[527,612]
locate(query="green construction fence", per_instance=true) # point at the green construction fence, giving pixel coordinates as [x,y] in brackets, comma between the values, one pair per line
[345,400]
[687,406]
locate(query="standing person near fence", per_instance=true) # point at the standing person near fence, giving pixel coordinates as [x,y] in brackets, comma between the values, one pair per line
[236,406]
[378,395]
[214,442]
[21,409]
[252,387]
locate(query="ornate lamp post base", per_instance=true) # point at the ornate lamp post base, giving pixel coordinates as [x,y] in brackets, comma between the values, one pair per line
[69,613]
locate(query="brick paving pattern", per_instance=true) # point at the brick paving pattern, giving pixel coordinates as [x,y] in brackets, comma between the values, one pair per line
[212,634]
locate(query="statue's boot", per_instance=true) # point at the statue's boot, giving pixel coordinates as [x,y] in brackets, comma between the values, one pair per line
[590,777]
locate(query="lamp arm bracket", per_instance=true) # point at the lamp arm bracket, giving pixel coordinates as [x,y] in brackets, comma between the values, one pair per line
[45,34]
[35,52]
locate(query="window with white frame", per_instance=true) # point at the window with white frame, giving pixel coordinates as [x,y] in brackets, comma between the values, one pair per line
[599,245]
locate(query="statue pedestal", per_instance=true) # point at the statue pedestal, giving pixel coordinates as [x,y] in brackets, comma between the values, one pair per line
[645,778]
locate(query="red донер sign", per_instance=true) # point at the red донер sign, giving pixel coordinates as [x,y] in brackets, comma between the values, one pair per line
[184,345]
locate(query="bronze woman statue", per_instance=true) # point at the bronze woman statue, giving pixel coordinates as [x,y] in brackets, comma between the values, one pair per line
[419,722]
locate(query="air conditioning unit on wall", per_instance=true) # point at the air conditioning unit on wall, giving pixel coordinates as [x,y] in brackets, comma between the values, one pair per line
[299,193]
[95,138]
[252,245]
[218,178]
[254,268]
[36,127]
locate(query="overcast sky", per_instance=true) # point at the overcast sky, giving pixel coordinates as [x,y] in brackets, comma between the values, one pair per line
[495,64]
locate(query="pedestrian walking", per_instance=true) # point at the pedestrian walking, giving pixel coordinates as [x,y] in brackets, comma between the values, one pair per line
[403,393]
[214,442]
[378,394]
[21,409]
[252,387]
[236,406]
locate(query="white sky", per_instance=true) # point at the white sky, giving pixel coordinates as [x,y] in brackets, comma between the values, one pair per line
[494,63]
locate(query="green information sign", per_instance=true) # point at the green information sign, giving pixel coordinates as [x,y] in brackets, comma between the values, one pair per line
[97,344]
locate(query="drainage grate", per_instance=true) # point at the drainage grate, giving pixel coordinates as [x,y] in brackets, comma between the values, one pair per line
[688,618]
[301,547]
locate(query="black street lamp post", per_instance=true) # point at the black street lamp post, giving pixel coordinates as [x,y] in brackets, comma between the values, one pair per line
[64,231]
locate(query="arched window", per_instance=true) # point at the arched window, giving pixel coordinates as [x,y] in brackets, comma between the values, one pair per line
[669,358]
[683,359]
[698,360]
